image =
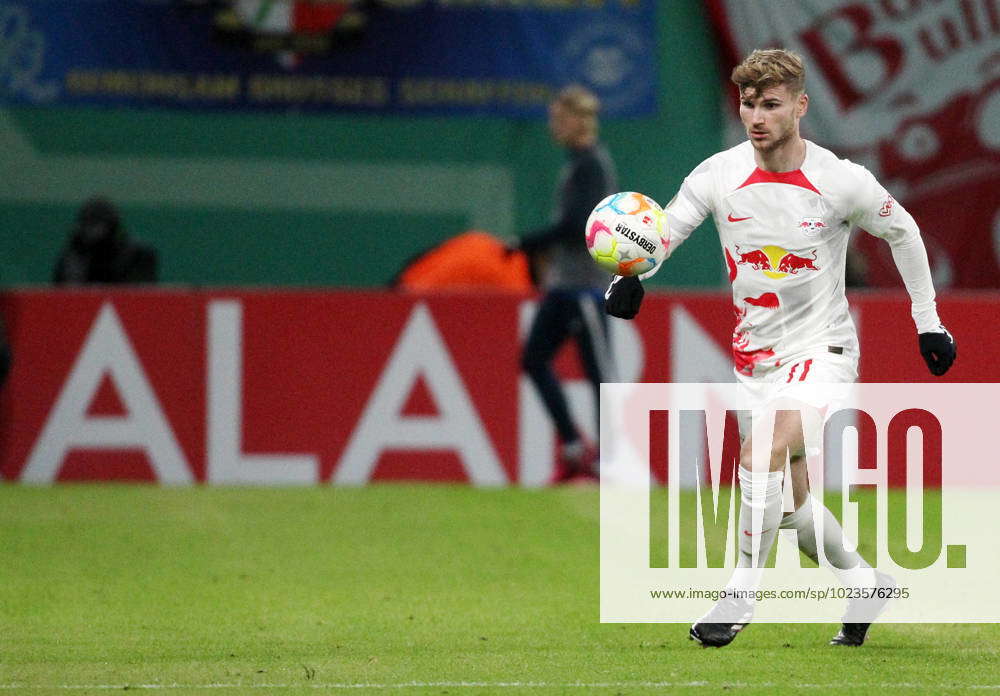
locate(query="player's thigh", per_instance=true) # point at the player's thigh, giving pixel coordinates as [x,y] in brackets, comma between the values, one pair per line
[819,381]
[797,397]
[777,440]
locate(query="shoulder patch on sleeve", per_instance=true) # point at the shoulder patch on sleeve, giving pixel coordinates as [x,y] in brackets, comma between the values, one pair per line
[886,209]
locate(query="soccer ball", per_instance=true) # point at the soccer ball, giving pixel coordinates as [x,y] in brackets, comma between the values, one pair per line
[627,234]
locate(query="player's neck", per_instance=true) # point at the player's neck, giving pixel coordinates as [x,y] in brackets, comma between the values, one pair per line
[787,157]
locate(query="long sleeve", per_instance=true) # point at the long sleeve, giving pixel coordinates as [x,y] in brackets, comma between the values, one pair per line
[910,257]
[686,210]
[879,214]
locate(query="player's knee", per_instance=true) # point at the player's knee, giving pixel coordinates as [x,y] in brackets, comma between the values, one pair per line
[776,458]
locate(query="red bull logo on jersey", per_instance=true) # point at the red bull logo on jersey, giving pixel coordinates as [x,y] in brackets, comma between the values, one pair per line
[757,259]
[812,226]
[775,261]
[791,263]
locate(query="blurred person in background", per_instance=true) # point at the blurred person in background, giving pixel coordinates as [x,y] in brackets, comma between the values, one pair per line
[99,250]
[573,285]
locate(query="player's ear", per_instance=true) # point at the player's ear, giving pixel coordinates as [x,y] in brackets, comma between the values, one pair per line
[802,104]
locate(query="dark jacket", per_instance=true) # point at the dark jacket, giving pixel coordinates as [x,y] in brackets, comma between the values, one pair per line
[587,177]
[99,250]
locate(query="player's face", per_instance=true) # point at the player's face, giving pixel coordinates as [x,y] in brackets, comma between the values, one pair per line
[771,118]
[564,125]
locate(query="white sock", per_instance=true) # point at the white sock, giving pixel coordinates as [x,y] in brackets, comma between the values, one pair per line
[760,515]
[760,497]
[849,567]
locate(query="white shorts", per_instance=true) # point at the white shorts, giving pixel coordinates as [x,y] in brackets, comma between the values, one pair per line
[817,381]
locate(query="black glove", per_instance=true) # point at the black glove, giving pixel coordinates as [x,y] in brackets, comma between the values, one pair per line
[623,297]
[938,349]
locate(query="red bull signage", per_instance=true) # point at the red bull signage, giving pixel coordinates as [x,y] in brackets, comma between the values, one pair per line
[910,89]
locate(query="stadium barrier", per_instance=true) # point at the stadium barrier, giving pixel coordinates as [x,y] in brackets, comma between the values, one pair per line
[279,387]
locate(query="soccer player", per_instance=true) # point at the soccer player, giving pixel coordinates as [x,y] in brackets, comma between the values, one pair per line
[573,284]
[784,207]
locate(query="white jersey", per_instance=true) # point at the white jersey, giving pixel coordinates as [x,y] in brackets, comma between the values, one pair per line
[784,238]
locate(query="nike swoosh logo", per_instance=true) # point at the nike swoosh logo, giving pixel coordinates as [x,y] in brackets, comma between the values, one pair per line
[736,219]
[753,535]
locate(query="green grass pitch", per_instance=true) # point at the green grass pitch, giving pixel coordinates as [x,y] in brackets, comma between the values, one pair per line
[410,589]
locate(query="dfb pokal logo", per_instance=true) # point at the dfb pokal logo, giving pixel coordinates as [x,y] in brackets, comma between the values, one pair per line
[838,502]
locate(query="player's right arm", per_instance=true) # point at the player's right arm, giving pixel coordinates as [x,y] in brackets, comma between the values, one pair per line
[684,213]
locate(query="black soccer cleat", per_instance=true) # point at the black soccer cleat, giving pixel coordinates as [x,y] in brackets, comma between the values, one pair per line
[861,613]
[720,625]
[715,635]
[851,634]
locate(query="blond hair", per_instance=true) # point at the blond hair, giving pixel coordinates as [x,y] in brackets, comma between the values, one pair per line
[765,68]
[581,102]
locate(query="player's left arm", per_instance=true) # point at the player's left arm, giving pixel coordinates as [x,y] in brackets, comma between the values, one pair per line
[878,213]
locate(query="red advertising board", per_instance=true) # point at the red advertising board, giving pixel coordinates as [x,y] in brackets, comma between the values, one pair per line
[287,387]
